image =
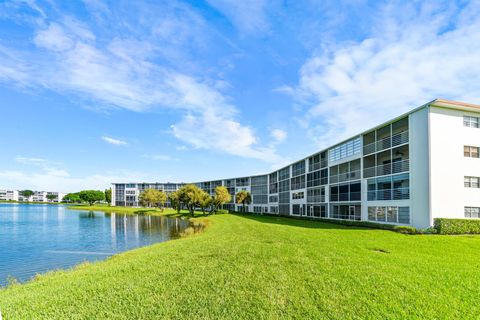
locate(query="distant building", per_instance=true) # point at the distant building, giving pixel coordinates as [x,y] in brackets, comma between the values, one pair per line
[419,166]
[38,196]
[8,195]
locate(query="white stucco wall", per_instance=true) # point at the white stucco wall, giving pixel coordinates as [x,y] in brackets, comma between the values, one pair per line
[419,169]
[448,136]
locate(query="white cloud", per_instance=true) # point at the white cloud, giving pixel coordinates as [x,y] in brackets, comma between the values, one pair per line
[249,16]
[49,167]
[114,141]
[404,63]
[47,175]
[122,73]
[278,135]
[50,181]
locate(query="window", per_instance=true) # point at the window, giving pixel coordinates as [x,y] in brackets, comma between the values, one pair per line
[298,182]
[284,186]
[273,188]
[472,182]
[259,180]
[472,122]
[242,182]
[284,197]
[316,195]
[472,212]
[260,189]
[284,173]
[273,199]
[317,178]
[298,209]
[260,199]
[298,195]
[347,149]
[298,168]
[395,187]
[274,209]
[471,152]
[389,214]
[273,177]
[284,209]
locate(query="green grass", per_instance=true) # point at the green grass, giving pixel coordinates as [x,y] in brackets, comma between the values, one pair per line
[254,267]
[126,210]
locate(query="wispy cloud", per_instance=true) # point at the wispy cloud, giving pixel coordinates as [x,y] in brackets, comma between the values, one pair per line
[137,74]
[51,168]
[114,141]
[405,62]
[278,135]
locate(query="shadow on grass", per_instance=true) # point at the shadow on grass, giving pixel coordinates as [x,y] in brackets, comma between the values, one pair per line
[305,222]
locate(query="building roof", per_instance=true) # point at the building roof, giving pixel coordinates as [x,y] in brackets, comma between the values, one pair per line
[454,104]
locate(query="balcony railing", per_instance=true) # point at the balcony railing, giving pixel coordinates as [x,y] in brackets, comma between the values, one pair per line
[347,196]
[315,199]
[389,194]
[386,169]
[386,143]
[346,176]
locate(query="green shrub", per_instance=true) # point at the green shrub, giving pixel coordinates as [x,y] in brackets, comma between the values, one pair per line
[221,211]
[456,226]
[405,229]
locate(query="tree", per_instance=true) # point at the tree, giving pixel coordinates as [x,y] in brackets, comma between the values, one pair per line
[204,200]
[91,196]
[152,198]
[175,201]
[72,197]
[221,197]
[108,196]
[52,197]
[243,197]
[27,193]
[189,196]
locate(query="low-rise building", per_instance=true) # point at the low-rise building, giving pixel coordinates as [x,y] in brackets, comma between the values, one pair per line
[416,167]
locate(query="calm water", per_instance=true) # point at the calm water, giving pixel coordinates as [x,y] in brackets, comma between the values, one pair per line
[39,238]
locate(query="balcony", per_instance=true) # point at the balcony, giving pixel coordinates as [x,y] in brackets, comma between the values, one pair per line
[346,176]
[386,169]
[386,143]
[347,196]
[389,194]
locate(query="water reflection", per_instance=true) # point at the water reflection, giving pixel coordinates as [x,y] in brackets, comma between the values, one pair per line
[35,239]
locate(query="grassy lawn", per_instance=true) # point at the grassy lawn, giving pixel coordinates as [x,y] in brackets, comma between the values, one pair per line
[253,267]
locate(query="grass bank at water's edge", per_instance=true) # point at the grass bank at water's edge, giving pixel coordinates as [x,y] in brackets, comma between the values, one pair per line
[257,267]
[126,210]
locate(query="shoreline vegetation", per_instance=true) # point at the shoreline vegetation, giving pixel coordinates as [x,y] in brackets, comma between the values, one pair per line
[250,267]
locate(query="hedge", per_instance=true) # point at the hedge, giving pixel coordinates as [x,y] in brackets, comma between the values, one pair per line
[456,226]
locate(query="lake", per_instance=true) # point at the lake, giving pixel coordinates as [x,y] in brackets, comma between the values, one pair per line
[38,238]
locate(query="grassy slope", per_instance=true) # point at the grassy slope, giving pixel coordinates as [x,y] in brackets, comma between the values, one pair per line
[126,210]
[263,267]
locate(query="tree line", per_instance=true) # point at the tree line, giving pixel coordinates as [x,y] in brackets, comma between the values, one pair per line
[191,197]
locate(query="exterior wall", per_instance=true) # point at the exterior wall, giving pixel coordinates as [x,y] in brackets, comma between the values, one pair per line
[448,136]
[8,195]
[419,169]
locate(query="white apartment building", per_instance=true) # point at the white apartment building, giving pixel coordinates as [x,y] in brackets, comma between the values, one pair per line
[40,196]
[8,195]
[416,167]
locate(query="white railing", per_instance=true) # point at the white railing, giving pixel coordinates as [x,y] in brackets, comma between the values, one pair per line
[386,169]
[385,143]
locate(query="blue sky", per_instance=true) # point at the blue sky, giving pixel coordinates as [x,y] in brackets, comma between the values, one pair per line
[99,91]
